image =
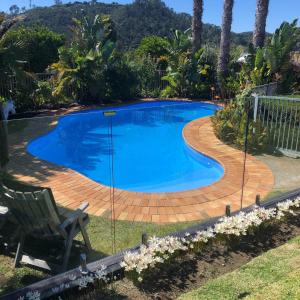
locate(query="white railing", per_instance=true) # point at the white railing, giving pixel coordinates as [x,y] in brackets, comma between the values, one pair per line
[281,117]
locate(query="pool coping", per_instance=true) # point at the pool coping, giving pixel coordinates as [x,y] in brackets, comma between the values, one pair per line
[71,188]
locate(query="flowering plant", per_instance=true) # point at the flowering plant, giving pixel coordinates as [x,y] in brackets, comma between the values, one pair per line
[160,250]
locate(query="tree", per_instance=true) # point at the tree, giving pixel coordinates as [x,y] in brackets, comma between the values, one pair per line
[189,73]
[82,66]
[225,39]
[197,24]
[14,9]
[259,34]
[57,2]
[36,45]
[155,46]
[5,26]
[272,62]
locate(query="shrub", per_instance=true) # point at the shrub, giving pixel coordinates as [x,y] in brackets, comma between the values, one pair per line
[43,96]
[120,81]
[154,46]
[147,75]
[230,126]
[37,46]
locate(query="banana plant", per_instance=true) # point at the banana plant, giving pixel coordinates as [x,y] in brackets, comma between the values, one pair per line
[277,53]
[187,72]
[271,62]
[92,50]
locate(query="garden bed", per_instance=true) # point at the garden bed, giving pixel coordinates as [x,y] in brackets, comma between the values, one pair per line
[193,270]
[273,275]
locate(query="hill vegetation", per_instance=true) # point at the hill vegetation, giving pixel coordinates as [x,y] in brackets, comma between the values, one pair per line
[133,21]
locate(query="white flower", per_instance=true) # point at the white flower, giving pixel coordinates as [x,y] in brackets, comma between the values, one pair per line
[55,290]
[33,295]
[84,281]
[161,249]
[101,273]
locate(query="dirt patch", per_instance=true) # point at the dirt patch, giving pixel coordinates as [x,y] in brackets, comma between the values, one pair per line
[193,270]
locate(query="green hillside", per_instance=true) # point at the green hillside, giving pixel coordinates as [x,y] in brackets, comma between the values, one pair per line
[133,21]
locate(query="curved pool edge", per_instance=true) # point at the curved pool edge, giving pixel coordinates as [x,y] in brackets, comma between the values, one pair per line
[71,188]
[132,106]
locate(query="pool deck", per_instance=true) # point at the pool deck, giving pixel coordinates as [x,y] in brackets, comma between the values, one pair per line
[71,188]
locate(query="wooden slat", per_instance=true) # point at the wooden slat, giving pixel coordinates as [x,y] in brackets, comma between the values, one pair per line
[15,208]
[28,216]
[40,223]
[46,205]
[52,211]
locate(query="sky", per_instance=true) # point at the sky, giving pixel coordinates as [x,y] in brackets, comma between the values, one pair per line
[243,15]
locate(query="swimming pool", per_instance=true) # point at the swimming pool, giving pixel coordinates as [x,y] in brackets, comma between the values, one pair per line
[149,152]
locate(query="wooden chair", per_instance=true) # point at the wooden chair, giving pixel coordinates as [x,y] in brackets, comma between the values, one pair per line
[35,213]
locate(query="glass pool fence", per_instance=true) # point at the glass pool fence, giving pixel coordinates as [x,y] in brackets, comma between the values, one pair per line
[147,169]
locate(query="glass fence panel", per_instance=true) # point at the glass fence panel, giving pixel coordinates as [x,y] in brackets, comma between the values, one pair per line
[145,169]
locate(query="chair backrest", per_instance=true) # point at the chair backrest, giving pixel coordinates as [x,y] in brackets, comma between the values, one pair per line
[34,211]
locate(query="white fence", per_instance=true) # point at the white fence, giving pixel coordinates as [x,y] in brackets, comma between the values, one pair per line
[281,117]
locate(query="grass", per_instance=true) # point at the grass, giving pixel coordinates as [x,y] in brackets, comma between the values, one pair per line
[272,276]
[11,279]
[128,234]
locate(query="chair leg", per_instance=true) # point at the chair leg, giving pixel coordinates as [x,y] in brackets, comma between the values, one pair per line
[19,250]
[85,235]
[68,248]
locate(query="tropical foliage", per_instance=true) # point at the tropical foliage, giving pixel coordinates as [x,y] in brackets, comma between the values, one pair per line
[37,46]
[90,69]
[154,46]
[189,74]
[5,26]
[272,62]
[230,125]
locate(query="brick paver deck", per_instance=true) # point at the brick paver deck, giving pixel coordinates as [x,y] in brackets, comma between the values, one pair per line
[71,188]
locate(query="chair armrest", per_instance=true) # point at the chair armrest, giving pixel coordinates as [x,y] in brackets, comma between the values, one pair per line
[74,215]
[83,206]
[3,211]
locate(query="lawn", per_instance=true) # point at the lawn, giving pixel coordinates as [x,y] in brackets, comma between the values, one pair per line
[128,234]
[273,275]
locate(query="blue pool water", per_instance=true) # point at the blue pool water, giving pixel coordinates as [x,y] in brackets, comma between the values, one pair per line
[150,154]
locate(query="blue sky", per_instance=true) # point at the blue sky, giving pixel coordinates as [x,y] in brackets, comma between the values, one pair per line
[244,11]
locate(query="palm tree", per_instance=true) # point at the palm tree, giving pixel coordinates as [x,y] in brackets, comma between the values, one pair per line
[197,24]
[259,35]
[225,39]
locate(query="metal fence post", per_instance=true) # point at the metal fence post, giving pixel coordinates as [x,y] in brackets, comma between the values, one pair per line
[255,109]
